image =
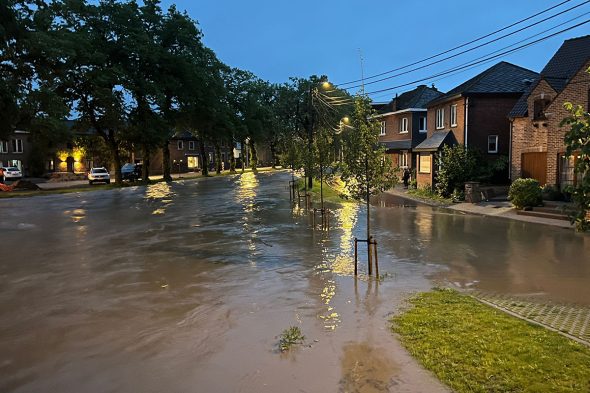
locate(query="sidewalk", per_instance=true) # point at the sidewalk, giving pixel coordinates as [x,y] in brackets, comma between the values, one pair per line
[500,208]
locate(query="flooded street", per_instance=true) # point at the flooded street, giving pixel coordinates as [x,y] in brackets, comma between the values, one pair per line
[185,287]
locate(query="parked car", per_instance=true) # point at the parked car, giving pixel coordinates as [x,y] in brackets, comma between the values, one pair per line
[10,173]
[131,172]
[99,175]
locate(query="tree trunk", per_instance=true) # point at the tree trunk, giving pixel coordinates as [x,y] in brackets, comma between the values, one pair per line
[145,169]
[273,155]
[253,156]
[116,160]
[166,161]
[217,158]
[204,158]
[243,156]
[232,159]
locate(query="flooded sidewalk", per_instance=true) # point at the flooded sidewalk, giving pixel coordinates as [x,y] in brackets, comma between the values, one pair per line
[186,286]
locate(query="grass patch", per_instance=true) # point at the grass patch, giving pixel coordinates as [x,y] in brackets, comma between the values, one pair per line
[289,337]
[330,194]
[426,193]
[475,348]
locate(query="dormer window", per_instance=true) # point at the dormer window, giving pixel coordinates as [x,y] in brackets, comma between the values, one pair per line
[539,107]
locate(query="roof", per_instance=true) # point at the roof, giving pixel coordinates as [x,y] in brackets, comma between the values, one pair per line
[563,66]
[398,145]
[501,78]
[435,141]
[416,98]
[184,135]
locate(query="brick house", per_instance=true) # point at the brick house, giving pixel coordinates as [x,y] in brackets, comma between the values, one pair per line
[185,155]
[537,140]
[16,151]
[473,114]
[403,124]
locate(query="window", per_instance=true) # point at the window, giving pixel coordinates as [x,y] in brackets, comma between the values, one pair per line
[492,143]
[440,118]
[382,132]
[17,145]
[3,146]
[403,159]
[403,125]
[180,145]
[425,162]
[422,124]
[539,107]
[191,145]
[453,115]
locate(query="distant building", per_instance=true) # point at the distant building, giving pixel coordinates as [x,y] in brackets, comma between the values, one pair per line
[16,151]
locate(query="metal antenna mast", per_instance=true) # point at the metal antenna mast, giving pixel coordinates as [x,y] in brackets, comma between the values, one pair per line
[362,72]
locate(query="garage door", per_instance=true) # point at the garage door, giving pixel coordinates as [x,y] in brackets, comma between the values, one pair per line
[534,165]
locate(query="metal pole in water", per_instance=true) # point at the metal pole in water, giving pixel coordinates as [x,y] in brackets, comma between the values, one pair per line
[355,256]
[376,259]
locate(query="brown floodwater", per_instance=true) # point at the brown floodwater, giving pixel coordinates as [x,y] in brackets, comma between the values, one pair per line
[185,287]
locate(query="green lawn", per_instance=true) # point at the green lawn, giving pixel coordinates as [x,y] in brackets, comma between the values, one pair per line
[475,348]
[330,194]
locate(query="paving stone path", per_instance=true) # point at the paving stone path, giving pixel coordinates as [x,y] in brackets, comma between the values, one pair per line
[570,320]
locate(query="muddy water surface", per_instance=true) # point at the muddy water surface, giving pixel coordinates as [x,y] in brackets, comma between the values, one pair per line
[186,287]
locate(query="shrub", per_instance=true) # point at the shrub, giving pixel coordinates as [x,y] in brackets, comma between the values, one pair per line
[551,193]
[525,192]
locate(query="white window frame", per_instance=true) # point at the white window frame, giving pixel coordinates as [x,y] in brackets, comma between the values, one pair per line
[403,125]
[422,120]
[383,128]
[495,141]
[453,115]
[180,145]
[3,146]
[191,145]
[403,159]
[440,119]
[17,146]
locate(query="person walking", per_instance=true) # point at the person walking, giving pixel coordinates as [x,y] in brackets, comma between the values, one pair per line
[406,177]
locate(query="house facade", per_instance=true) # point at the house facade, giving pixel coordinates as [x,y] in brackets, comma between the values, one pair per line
[473,114]
[404,125]
[537,140]
[185,155]
[16,151]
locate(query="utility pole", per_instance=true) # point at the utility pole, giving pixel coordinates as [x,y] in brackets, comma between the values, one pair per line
[362,72]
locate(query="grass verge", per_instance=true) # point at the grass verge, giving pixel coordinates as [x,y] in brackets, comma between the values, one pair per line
[330,194]
[475,348]
[427,194]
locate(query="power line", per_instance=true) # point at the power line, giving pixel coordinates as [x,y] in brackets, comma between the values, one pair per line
[501,49]
[467,50]
[475,63]
[459,46]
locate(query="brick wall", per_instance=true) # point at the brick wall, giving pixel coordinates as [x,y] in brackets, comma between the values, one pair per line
[459,128]
[546,135]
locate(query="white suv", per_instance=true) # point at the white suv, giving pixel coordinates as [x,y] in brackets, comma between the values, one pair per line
[99,175]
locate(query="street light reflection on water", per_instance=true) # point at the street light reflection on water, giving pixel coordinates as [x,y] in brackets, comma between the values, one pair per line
[160,192]
[245,194]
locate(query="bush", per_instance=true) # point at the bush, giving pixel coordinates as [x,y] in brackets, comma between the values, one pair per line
[551,193]
[525,192]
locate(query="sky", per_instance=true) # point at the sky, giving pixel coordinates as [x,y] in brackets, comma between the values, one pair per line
[280,39]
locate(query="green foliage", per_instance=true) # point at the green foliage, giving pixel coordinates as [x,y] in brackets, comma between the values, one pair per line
[551,193]
[525,192]
[577,141]
[426,193]
[367,170]
[457,166]
[475,348]
[289,337]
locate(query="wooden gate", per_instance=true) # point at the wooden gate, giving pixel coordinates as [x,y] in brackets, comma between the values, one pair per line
[534,165]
